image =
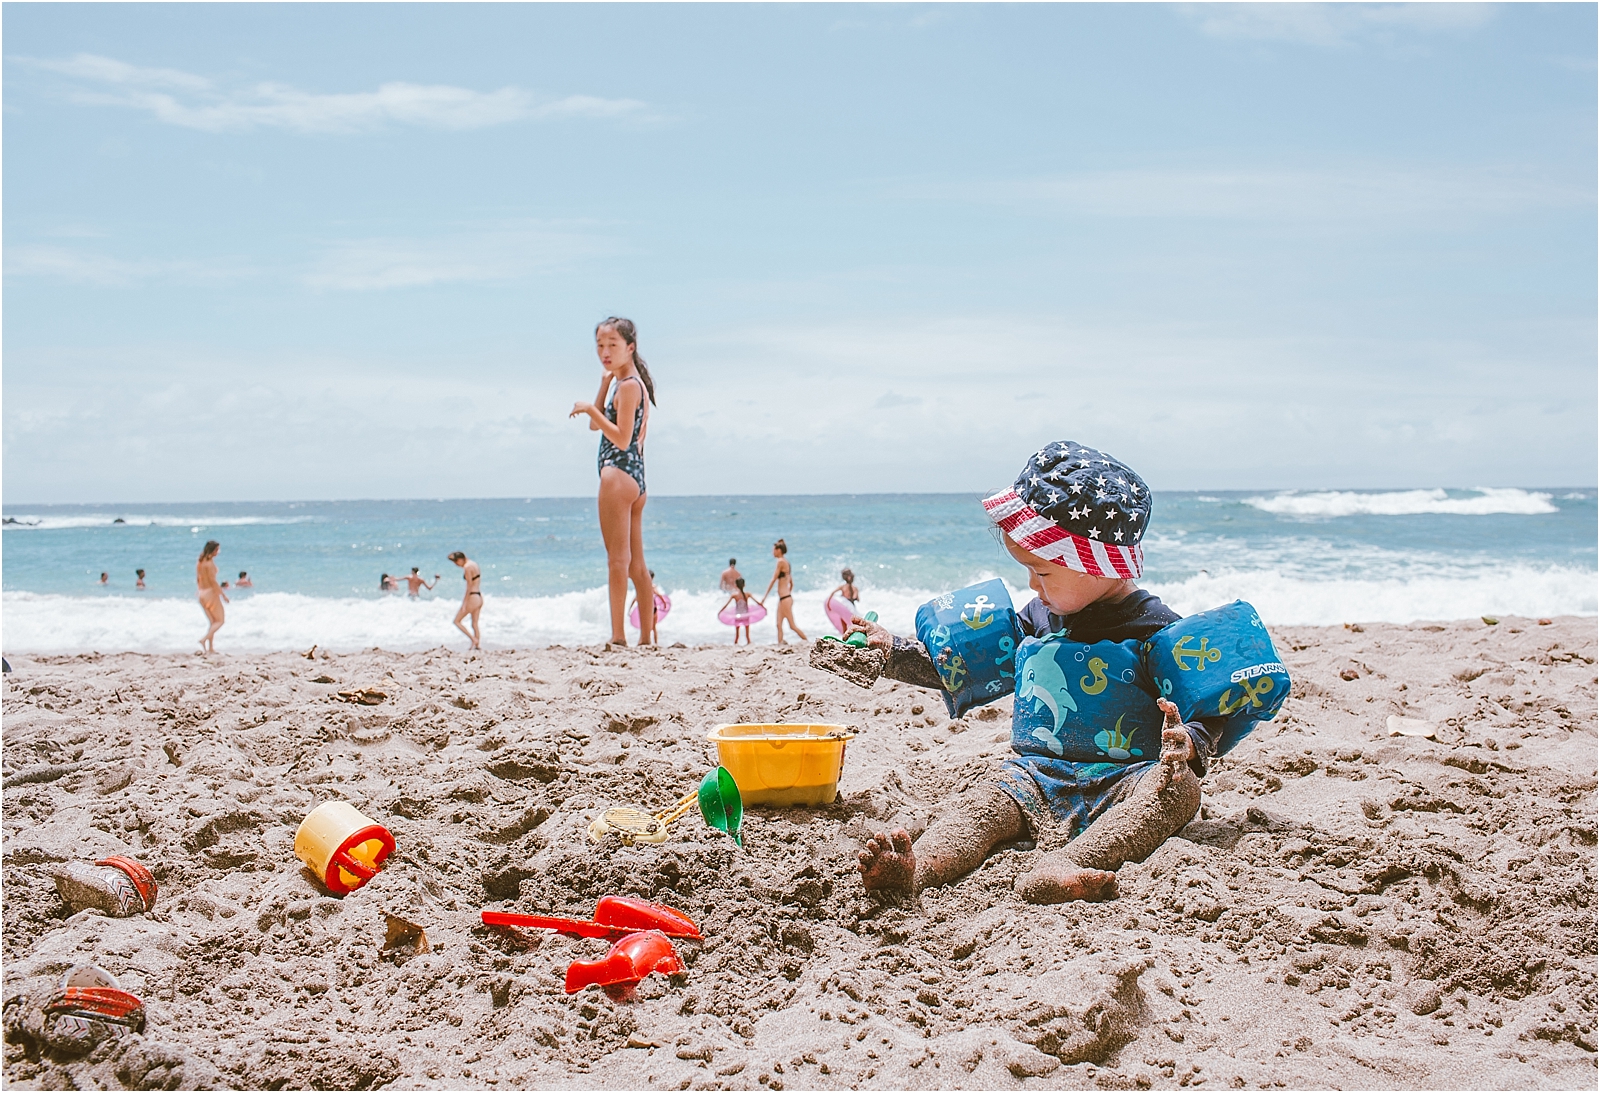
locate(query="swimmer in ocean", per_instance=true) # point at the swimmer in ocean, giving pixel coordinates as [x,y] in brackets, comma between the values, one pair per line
[731,576]
[472,599]
[415,582]
[244,581]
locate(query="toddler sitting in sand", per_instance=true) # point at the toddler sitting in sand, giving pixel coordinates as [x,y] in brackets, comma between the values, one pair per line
[1075,519]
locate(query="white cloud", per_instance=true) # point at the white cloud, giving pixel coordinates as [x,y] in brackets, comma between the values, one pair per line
[88,66]
[194,102]
[498,254]
[1332,24]
[84,267]
[1316,195]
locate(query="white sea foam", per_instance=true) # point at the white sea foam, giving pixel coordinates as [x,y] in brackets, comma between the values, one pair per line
[1395,503]
[276,621]
[1513,590]
[36,522]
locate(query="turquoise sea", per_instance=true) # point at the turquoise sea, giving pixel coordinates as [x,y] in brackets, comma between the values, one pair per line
[1300,557]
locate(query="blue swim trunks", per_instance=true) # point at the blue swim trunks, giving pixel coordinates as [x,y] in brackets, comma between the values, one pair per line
[1061,796]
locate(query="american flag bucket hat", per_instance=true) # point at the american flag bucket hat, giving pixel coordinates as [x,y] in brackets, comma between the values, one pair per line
[1076,507]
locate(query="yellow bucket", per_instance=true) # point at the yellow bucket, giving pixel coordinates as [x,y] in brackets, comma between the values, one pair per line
[783,764]
[344,848]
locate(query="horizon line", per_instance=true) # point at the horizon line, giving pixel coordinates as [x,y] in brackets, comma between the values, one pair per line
[525,498]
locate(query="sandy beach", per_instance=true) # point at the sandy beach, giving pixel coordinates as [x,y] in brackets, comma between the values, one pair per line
[1350,909]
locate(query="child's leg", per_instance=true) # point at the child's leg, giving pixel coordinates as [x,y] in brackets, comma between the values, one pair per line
[955,846]
[1165,798]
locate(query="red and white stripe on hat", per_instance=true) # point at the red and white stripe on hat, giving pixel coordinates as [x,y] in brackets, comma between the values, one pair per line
[1038,534]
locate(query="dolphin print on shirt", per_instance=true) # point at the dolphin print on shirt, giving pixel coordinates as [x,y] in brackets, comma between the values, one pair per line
[1042,681]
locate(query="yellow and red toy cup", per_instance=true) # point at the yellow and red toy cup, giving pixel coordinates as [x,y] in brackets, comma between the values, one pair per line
[341,846]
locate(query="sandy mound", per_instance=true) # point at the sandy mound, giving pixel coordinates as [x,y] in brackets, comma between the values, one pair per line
[1350,909]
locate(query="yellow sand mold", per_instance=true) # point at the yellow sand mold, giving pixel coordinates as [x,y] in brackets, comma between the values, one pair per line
[781,763]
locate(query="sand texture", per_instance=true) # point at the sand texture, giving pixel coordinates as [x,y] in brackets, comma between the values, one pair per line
[1349,909]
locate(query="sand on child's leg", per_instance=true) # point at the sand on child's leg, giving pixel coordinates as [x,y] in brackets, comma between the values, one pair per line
[1165,799]
[955,845]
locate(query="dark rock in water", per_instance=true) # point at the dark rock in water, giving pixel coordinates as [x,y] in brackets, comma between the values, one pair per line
[858,664]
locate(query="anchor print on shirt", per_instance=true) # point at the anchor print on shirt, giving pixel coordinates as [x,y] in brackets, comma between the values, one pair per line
[1043,682]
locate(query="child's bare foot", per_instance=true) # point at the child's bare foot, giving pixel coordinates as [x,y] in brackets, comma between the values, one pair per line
[1057,879]
[888,863]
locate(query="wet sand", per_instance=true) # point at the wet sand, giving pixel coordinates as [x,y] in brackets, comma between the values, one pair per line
[1350,909]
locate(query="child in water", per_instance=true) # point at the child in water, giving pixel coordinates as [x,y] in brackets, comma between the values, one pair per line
[742,599]
[1074,520]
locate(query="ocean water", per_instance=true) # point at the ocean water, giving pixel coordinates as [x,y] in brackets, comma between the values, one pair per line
[1300,557]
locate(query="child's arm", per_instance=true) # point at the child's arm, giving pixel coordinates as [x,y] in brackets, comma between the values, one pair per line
[908,659]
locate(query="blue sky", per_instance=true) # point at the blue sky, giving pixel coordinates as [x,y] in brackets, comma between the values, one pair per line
[305,251]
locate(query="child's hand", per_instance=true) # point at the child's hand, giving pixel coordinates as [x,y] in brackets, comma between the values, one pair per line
[585,408]
[878,637]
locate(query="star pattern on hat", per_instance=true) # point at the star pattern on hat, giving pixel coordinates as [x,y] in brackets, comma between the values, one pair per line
[1086,493]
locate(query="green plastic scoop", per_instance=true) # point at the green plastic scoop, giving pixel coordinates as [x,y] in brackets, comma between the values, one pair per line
[721,804]
[857,640]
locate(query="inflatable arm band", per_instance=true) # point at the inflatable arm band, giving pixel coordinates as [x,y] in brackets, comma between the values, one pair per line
[971,636]
[1220,664]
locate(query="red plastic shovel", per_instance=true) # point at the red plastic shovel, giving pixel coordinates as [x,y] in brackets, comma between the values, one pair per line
[625,964]
[614,917]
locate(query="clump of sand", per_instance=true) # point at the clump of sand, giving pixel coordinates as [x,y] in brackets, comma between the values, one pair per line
[1350,909]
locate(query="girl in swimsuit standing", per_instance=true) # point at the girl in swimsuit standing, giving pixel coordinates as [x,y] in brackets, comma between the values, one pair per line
[472,599]
[622,426]
[211,594]
[783,578]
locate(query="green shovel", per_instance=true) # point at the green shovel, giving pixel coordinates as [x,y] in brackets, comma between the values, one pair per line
[721,804]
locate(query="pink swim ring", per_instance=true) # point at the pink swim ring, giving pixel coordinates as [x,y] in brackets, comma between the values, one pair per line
[663,606]
[839,613]
[733,616]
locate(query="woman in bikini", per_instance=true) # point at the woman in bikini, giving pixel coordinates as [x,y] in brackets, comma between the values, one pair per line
[211,594]
[783,578]
[622,426]
[472,599]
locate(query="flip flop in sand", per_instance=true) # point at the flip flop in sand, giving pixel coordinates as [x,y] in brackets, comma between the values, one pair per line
[89,1007]
[117,885]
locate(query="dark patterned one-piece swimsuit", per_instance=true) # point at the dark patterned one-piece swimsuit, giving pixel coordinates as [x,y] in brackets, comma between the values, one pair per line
[630,460]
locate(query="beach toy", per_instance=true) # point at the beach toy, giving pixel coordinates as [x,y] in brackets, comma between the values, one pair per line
[343,848]
[839,612]
[117,885]
[614,917]
[636,826]
[971,635]
[721,803]
[629,961]
[663,606]
[734,617]
[783,764]
[855,641]
[90,1007]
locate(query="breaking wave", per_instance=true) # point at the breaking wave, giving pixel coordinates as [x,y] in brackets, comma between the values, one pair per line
[1396,503]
